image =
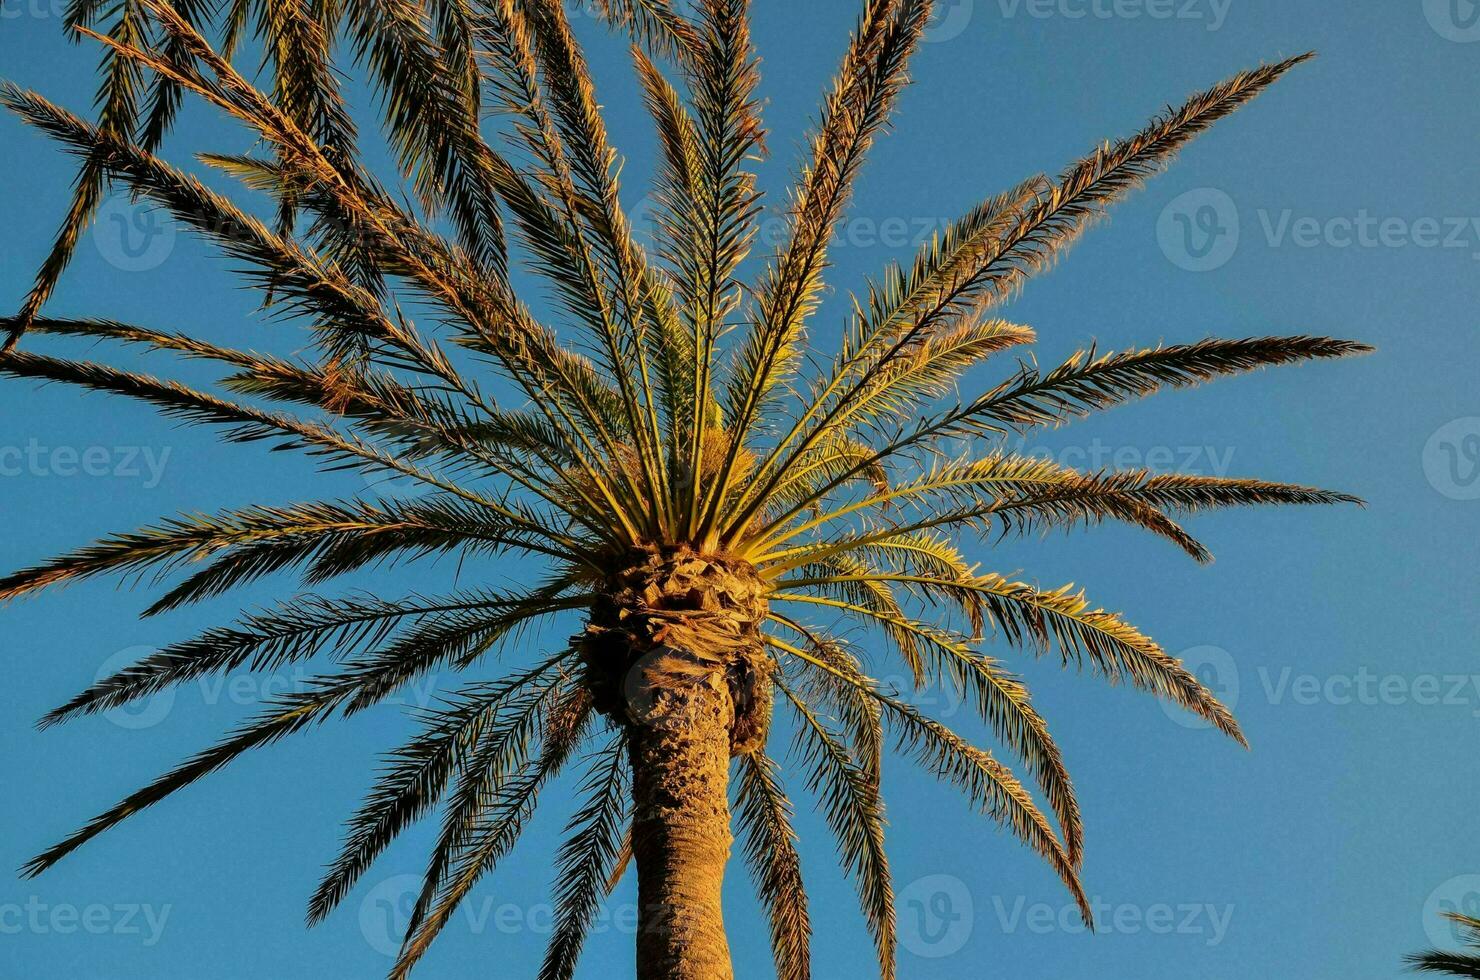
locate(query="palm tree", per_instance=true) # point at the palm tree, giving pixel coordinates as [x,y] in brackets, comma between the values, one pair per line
[1452,964]
[704,490]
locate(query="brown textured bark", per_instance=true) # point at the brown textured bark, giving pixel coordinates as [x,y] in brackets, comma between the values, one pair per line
[681,821]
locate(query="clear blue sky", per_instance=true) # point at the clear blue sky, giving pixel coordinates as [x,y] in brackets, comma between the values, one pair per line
[1343,203]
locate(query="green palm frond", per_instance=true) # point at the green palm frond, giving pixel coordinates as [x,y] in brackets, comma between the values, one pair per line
[859,714]
[499,810]
[588,858]
[903,313]
[285,716]
[989,785]
[709,195]
[417,773]
[856,587]
[1449,964]
[1003,702]
[770,846]
[297,630]
[1085,383]
[118,114]
[1084,191]
[873,73]
[334,537]
[850,800]
[432,121]
[992,787]
[1059,620]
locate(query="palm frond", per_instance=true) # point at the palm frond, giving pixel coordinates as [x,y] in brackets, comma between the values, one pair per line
[297,630]
[588,172]
[588,857]
[708,197]
[655,25]
[850,581]
[1084,192]
[501,811]
[1001,700]
[906,311]
[286,715]
[874,71]
[850,801]
[1085,383]
[307,531]
[417,773]
[118,113]
[989,784]
[1449,964]
[764,815]
[433,120]
[526,351]
[1063,620]
[992,787]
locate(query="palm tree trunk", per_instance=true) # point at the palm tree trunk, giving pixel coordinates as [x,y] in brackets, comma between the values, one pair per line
[680,744]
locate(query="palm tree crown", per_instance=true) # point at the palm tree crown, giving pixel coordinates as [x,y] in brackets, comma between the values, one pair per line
[702,487]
